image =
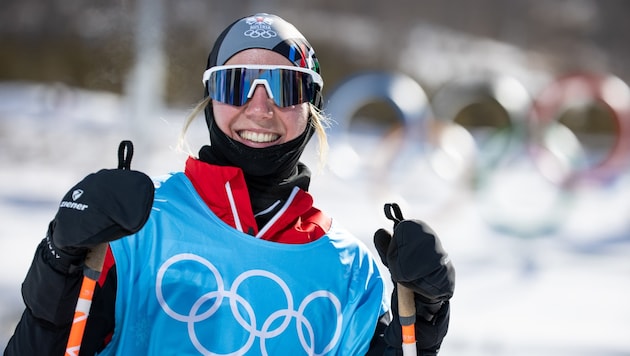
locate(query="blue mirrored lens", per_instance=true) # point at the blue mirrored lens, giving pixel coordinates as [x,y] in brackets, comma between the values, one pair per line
[289,87]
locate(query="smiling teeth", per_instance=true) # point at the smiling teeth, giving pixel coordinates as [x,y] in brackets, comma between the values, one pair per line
[258,137]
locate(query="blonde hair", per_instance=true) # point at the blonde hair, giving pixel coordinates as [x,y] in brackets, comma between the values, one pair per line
[319,122]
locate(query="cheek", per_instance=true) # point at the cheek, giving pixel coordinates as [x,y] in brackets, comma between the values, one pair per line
[223,115]
[297,120]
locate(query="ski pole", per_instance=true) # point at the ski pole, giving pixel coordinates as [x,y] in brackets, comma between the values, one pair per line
[407,317]
[92,271]
[406,300]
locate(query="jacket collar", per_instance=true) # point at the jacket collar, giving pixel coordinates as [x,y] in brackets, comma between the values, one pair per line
[225,192]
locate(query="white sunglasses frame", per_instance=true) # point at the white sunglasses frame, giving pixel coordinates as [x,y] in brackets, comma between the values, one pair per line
[316,77]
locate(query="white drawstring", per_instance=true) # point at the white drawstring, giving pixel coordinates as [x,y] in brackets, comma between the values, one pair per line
[279,213]
[237,220]
[273,206]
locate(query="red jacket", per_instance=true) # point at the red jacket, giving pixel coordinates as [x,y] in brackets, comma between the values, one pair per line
[299,223]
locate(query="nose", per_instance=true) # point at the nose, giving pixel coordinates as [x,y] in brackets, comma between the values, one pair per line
[259,103]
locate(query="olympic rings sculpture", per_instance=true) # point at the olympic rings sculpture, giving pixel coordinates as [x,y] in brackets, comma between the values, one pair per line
[528,115]
[576,91]
[404,95]
[533,135]
[473,152]
[265,332]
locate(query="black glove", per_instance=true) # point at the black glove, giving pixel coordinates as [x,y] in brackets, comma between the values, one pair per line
[103,207]
[416,259]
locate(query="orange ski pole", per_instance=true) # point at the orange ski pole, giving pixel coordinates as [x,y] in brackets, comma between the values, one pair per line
[91,273]
[407,316]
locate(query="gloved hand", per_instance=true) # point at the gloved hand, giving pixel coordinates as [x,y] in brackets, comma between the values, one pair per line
[103,207]
[416,259]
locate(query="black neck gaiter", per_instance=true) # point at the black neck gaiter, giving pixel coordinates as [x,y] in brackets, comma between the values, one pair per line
[274,163]
[270,173]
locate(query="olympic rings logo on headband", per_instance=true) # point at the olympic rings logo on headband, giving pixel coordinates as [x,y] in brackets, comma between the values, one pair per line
[250,324]
[260,27]
[260,32]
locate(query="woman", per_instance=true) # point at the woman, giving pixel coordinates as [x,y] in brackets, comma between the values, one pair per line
[229,256]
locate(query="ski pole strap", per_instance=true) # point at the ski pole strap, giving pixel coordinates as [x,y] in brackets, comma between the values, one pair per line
[125,153]
[393,213]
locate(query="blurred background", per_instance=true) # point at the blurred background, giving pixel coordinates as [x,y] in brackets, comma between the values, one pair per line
[505,125]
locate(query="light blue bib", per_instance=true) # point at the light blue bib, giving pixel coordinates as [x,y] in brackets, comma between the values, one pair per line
[188,284]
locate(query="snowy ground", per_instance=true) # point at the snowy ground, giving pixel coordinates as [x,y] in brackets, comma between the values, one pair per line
[564,293]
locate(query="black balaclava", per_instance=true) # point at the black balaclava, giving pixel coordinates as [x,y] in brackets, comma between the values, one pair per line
[271,172]
[270,32]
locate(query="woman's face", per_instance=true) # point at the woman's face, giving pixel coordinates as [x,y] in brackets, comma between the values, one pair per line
[260,122]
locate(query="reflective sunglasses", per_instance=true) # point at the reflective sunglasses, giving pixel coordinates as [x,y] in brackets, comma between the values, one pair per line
[286,85]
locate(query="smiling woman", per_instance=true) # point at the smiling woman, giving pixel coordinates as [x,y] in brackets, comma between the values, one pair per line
[233,257]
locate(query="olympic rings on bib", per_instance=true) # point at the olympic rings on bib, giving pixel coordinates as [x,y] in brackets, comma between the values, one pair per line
[273,326]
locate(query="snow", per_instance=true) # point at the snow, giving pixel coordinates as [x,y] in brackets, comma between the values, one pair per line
[560,290]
